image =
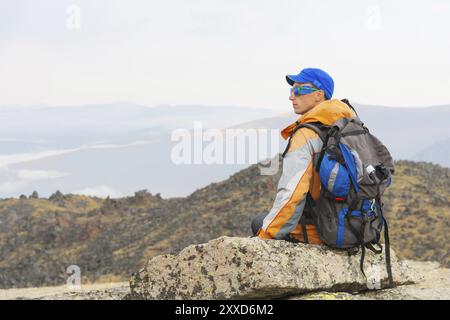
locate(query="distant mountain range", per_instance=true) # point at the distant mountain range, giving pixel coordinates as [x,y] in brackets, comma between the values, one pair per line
[119,148]
[38,128]
[407,132]
[438,152]
[102,149]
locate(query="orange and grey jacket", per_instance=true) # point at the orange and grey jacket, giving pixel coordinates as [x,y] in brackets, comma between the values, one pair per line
[299,176]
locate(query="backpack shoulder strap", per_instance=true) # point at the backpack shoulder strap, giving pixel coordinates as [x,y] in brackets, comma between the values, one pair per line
[317,127]
[297,126]
[351,107]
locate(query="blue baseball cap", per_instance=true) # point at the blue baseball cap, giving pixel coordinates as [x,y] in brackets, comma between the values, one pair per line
[317,77]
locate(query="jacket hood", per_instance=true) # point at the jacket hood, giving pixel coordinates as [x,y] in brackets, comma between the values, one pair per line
[327,112]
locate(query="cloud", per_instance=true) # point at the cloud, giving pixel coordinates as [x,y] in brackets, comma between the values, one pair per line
[11,186]
[13,181]
[101,191]
[10,159]
[33,175]
[251,44]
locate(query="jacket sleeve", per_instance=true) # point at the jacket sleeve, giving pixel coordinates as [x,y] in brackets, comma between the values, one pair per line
[292,187]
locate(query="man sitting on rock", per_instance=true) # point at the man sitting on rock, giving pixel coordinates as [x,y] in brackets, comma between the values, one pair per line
[290,217]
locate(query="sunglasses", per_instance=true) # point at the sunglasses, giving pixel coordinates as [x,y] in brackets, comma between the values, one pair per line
[302,90]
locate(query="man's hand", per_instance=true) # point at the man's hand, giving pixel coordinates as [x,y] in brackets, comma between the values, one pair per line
[263,235]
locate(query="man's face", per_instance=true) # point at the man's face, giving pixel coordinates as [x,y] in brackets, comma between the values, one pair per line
[305,102]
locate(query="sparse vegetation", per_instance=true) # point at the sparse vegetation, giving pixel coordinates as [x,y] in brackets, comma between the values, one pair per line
[111,238]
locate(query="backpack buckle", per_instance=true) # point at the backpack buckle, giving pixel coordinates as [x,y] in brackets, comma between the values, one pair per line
[373,206]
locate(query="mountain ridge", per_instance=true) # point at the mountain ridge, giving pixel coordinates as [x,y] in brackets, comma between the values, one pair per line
[110,238]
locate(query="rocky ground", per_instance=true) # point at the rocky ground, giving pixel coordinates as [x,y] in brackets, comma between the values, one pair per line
[107,291]
[221,268]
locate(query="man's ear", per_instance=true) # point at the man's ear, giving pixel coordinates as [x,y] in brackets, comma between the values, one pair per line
[320,95]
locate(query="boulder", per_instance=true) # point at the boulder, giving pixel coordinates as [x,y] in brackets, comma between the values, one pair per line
[252,268]
[435,285]
[34,195]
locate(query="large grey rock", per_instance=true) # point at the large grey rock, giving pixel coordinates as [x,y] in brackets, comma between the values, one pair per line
[234,268]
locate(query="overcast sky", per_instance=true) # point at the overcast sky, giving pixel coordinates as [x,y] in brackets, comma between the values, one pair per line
[211,52]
